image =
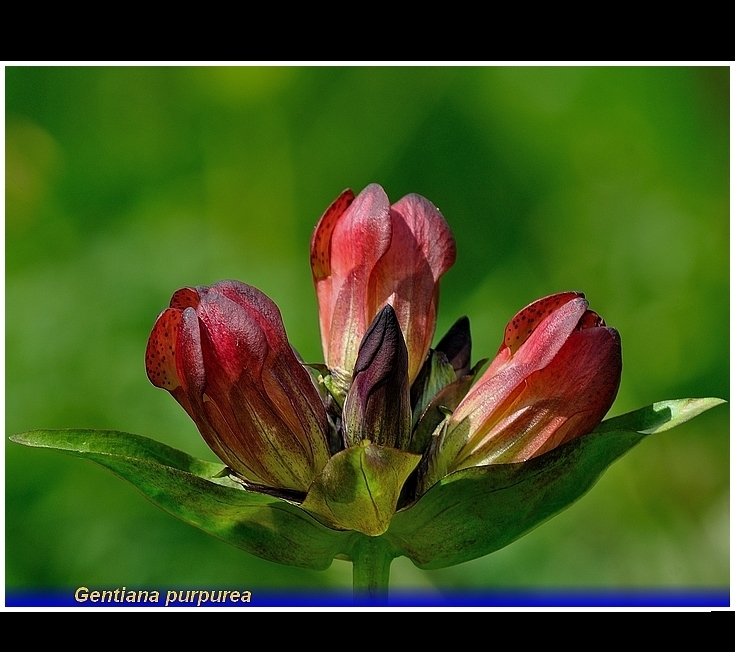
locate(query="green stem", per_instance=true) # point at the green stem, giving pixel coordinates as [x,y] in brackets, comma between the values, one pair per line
[371,560]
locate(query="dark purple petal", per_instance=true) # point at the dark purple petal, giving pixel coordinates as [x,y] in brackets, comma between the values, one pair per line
[378,407]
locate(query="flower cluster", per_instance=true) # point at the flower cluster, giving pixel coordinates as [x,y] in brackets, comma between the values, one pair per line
[391,448]
[279,425]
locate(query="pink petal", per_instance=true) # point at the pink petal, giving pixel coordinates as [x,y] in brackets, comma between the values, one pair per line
[564,400]
[519,328]
[548,333]
[347,244]
[321,240]
[422,248]
[585,376]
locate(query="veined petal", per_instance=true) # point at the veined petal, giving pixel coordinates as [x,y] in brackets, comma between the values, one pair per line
[585,375]
[258,307]
[560,402]
[539,343]
[288,384]
[348,241]
[223,353]
[554,378]
[270,400]
[237,340]
[230,407]
[422,248]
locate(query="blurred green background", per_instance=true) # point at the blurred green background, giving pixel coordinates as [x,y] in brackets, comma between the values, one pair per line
[124,184]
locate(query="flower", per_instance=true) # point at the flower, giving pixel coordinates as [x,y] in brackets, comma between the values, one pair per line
[365,254]
[222,353]
[554,378]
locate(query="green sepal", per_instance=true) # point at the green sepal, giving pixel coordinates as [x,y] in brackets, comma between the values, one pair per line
[447,398]
[436,374]
[317,372]
[337,388]
[473,512]
[359,488]
[191,489]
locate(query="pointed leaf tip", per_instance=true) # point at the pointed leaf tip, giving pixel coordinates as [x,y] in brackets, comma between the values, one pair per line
[660,416]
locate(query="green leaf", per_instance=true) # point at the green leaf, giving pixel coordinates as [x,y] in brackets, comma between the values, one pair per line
[83,443]
[476,511]
[359,487]
[466,515]
[186,487]
[660,416]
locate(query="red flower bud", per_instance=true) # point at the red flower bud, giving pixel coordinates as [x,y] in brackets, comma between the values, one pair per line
[555,377]
[223,353]
[365,254]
